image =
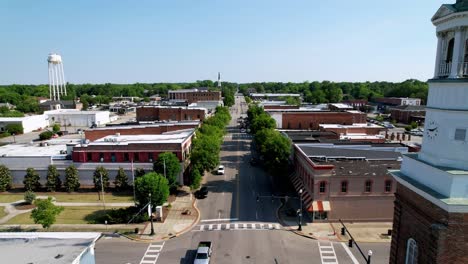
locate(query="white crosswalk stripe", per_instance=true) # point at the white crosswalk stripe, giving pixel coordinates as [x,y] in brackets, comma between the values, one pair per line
[152,254]
[238,136]
[236,226]
[327,253]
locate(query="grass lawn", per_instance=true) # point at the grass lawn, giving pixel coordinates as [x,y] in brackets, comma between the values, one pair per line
[2,211]
[70,197]
[70,215]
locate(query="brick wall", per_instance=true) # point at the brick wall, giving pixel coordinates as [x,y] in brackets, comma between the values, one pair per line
[280,107]
[441,237]
[95,134]
[169,113]
[405,116]
[362,130]
[312,120]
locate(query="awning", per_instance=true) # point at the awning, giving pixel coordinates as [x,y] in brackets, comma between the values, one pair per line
[319,206]
[298,185]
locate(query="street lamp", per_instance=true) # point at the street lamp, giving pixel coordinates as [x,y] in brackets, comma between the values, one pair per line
[14,138]
[369,255]
[300,211]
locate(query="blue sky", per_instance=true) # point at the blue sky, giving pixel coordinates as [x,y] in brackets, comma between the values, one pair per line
[127,41]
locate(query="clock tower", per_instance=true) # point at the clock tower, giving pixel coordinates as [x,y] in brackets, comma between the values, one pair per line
[431,201]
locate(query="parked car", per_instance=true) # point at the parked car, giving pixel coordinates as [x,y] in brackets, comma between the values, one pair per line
[202,193]
[204,252]
[243,130]
[220,170]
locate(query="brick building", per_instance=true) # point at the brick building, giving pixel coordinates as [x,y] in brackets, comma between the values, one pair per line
[395,101]
[154,129]
[357,103]
[139,149]
[194,95]
[160,113]
[430,224]
[407,113]
[311,119]
[348,182]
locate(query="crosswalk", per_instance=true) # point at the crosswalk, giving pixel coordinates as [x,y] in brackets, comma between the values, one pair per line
[237,226]
[152,253]
[238,135]
[327,253]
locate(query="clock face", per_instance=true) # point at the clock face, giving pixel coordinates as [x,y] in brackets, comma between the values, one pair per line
[432,129]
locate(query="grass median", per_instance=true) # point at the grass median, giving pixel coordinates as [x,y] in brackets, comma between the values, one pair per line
[71,197]
[2,211]
[70,215]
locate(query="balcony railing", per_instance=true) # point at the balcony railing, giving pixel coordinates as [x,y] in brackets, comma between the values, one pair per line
[444,69]
[465,68]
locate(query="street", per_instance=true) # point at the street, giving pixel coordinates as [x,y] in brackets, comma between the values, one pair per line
[243,230]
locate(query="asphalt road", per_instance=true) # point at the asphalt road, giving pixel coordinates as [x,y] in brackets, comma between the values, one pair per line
[242,230]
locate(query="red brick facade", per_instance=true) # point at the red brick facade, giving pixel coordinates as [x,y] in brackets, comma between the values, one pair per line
[312,120]
[126,153]
[403,116]
[195,96]
[94,134]
[441,237]
[266,107]
[156,113]
[360,130]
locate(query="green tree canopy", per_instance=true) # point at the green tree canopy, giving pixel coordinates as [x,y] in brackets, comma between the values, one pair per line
[45,212]
[155,184]
[100,173]
[121,180]
[5,178]
[169,164]
[72,181]
[53,179]
[31,180]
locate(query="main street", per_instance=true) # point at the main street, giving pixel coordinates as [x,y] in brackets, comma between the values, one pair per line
[243,230]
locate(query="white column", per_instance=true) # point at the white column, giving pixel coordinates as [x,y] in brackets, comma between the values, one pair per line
[454,72]
[438,55]
[50,82]
[63,79]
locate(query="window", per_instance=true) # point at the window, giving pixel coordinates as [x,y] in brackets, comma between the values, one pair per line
[89,156]
[368,186]
[150,157]
[388,186]
[411,252]
[300,126]
[344,186]
[126,157]
[136,157]
[460,134]
[449,57]
[322,187]
[101,157]
[113,157]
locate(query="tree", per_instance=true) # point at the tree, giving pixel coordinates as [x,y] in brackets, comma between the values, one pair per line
[45,212]
[14,129]
[168,165]
[101,173]
[72,181]
[155,184]
[53,179]
[121,180]
[29,197]
[56,128]
[46,135]
[139,172]
[262,121]
[31,180]
[5,178]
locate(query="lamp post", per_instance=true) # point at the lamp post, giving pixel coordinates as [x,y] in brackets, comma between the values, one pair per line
[14,138]
[102,189]
[369,255]
[151,215]
[300,211]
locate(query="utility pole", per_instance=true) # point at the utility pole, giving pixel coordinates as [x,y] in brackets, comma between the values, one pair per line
[102,188]
[133,178]
[151,215]
[300,211]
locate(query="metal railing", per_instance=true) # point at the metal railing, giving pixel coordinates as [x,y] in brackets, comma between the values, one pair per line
[444,69]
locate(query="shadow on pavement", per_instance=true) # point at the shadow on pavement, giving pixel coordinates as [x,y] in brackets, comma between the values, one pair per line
[189,257]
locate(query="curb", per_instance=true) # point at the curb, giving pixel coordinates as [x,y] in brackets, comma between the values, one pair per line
[165,238]
[299,233]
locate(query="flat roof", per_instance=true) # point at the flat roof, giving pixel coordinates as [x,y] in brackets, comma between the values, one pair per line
[170,137]
[45,247]
[146,124]
[72,112]
[339,105]
[275,94]
[35,150]
[347,153]
[355,125]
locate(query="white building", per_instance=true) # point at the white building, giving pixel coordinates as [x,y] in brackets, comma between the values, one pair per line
[29,123]
[76,118]
[48,247]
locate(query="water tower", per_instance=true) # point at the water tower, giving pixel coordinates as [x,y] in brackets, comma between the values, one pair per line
[57,85]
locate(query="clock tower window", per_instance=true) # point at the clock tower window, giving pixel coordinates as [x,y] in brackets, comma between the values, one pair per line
[460,134]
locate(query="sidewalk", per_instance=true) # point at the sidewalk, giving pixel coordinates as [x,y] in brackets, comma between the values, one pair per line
[361,232]
[175,223]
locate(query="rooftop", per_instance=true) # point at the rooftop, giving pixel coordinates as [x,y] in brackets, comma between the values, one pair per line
[344,106]
[347,153]
[355,125]
[275,94]
[170,137]
[73,112]
[147,124]
[410,107]
[34,150]
[45,247]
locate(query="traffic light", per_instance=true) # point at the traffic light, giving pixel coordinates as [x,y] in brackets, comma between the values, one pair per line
[350,243]
[343,231]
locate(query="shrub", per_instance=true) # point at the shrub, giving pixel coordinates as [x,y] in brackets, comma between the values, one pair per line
[29,197]
[46,135]
[121,180]
[53,179]
[14,129]
[414,125]
[56,128]
[31,180]
[72,181]
[408,128]
[5,178]
[122,216]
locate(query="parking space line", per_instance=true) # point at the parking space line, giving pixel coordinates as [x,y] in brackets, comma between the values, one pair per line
[152,253]
[350,254]
[327,253]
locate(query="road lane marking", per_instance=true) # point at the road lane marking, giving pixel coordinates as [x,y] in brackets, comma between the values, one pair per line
[327,253]
[210,227]
[152,253]
[219,220]
[350,254]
